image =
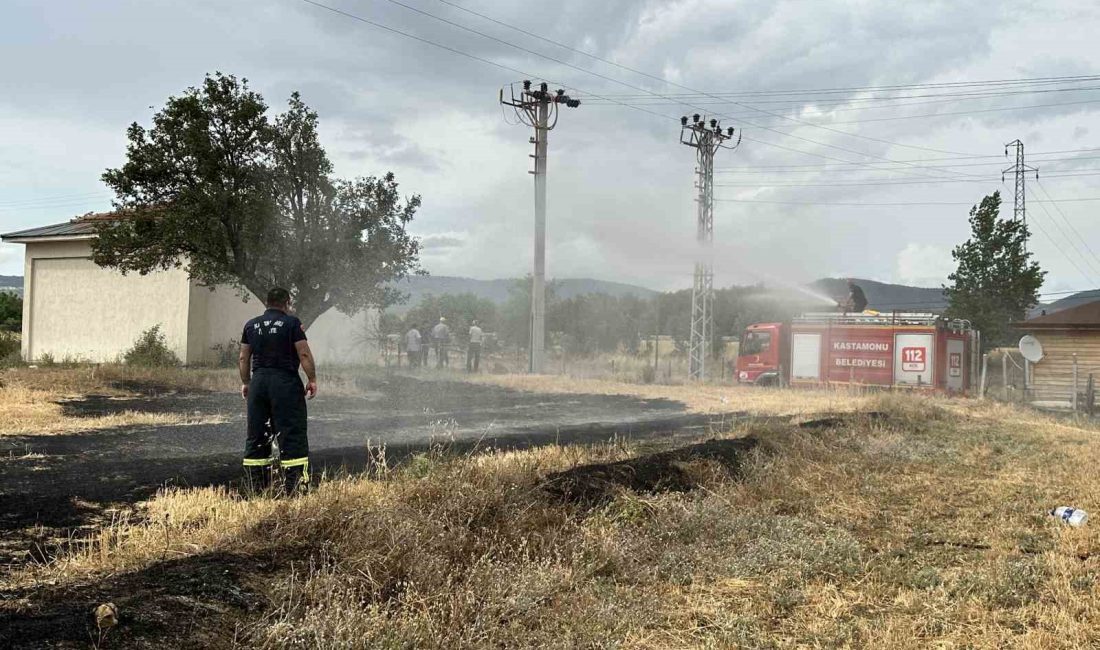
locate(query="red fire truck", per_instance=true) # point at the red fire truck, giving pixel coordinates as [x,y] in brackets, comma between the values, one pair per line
[910,350]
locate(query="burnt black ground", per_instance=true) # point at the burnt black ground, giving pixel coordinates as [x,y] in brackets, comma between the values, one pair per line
[73,478]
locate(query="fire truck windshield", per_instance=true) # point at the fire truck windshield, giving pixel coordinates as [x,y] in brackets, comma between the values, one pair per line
[756,342]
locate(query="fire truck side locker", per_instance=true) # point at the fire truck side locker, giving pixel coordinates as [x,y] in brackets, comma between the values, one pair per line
[915,351]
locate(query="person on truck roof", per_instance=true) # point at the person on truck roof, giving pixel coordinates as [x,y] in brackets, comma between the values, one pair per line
[857,301]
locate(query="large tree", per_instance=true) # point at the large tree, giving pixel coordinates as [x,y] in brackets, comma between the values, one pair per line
[996,281]
[239,198]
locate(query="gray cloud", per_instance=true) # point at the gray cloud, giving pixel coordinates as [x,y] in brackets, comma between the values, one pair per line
[434,243]
[620,186]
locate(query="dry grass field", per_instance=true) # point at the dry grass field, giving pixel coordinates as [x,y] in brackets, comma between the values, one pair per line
[705,398]
[30,397]
[909,522]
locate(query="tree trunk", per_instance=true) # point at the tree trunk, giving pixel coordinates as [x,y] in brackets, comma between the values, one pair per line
[309,313]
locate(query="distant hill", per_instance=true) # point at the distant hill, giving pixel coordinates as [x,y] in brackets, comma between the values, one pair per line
[11,283]
[882,296]
[497,290]
[1073,300]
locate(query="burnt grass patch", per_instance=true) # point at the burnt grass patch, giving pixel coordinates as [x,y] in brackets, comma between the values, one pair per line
[199,601]
[666,471]
[843,420]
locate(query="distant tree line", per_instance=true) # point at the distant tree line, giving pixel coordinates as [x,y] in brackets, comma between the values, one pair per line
[595,322]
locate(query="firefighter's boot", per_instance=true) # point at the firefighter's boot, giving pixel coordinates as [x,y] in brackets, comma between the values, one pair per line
[296,480]
[257,479]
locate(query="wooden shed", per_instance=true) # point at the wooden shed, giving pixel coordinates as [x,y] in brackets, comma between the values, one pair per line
[1064,334]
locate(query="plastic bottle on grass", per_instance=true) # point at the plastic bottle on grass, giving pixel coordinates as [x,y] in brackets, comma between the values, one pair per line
[1071,516]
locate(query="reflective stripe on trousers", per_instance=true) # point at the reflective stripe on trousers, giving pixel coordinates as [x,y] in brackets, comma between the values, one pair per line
[297,462]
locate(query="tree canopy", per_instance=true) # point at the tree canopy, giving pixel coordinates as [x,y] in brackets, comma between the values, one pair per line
[11,312]
[996,281]
[239,198]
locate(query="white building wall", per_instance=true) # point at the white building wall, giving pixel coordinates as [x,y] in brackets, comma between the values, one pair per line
[77,310]
[216,318]
[335,338]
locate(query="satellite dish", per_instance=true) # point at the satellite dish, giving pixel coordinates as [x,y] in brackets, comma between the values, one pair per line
[1031,348]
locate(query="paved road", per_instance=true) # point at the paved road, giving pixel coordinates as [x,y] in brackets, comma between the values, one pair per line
[74,477]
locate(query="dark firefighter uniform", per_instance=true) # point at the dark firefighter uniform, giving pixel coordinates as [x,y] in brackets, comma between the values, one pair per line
[857,301]
[275,394]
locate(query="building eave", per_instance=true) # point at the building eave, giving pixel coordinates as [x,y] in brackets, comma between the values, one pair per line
[1059,327]
[39,240]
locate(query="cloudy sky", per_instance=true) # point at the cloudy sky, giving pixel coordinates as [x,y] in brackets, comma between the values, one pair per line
[815,188]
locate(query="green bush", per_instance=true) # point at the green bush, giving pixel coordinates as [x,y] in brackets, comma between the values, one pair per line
[11,312]
[226,354]
[151,349]
[9,350]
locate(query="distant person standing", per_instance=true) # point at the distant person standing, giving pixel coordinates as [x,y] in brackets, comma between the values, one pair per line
[425,344]
[441,338]
[273,347]
[412,346]
[473,352]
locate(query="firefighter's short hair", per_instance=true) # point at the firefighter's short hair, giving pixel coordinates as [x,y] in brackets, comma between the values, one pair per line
[278,297]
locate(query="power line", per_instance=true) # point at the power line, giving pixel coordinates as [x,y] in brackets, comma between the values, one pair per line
[498,65]
[972,112]
[448,48]
[830,101]
[821,169]
[414,37]
[1069,223]
[23,203]
[873,182]
[67,207]
[835,89]
[505,67]
[949,113]
[894,204]
[502,66]
[1057,246]
[1042,153]
[671,83]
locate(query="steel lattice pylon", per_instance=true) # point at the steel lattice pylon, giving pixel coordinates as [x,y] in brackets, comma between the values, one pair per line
[1019,207]
[706,141]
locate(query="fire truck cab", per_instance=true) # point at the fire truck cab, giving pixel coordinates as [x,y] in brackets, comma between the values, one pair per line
[761,355]
[909,350]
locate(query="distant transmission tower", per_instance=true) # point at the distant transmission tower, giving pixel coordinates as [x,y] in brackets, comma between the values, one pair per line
[1019,209]
[538,108]
[707,140]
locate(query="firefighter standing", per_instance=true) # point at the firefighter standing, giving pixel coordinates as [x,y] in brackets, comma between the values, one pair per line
[273,347]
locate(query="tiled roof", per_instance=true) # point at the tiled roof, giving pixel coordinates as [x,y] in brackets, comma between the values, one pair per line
[83,225]
[1086,316]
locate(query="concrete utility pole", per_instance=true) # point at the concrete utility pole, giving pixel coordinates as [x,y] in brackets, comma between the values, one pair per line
[538,108]
[706,141]
[1019,209]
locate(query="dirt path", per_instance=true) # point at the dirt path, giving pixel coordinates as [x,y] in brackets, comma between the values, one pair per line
[52,484]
